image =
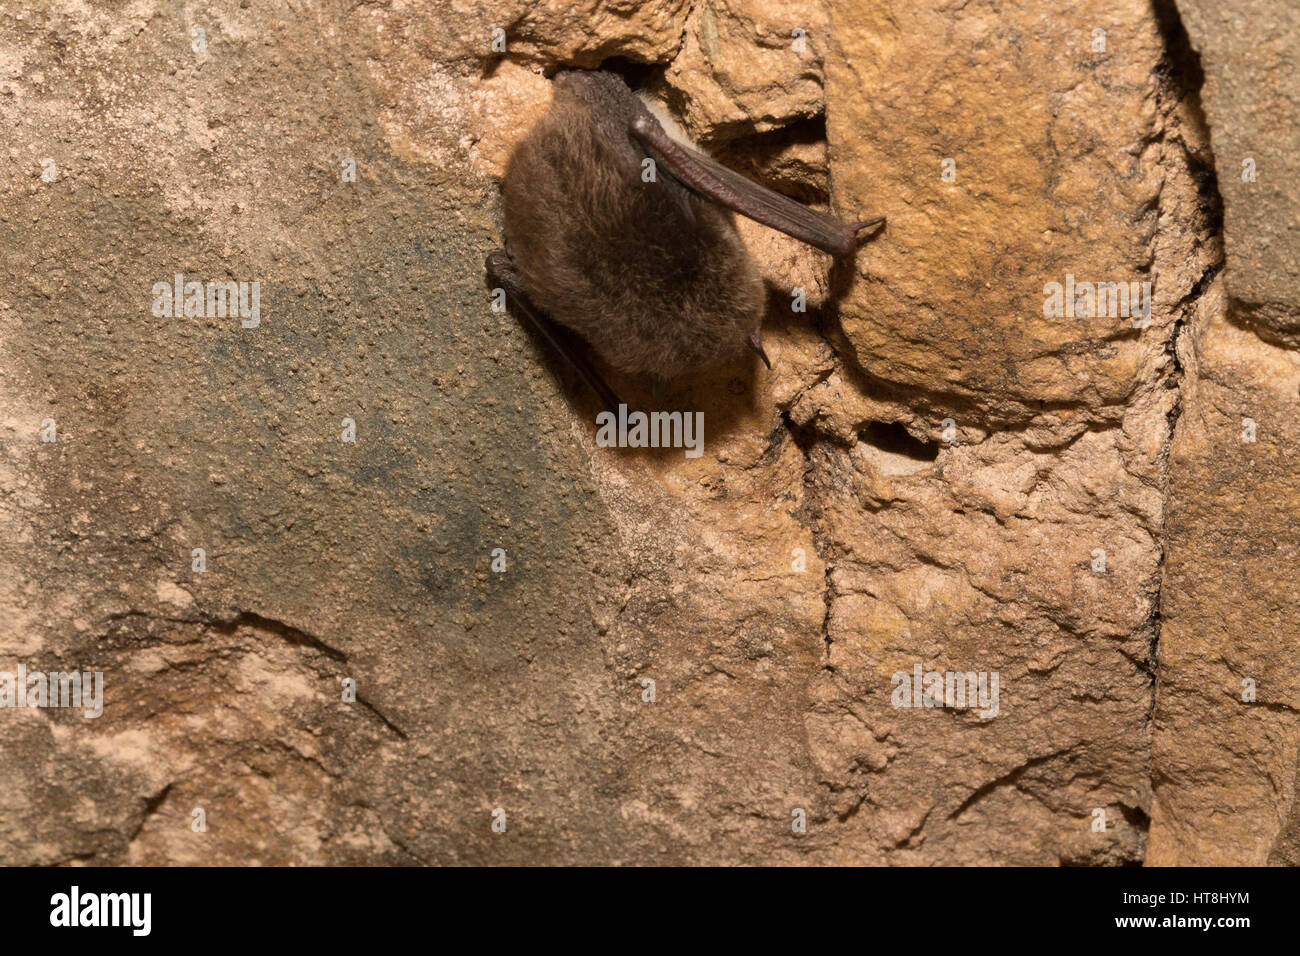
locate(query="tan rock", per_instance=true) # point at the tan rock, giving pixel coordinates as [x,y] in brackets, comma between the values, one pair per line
[1225,740]
[1055,171]
[1226,732]
[748,67]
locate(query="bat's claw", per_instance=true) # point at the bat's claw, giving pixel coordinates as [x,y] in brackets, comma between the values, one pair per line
[755,342]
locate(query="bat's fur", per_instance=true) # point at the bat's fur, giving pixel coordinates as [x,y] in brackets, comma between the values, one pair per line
[653,276]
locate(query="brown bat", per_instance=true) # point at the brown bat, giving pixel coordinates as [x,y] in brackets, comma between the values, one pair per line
[642,260]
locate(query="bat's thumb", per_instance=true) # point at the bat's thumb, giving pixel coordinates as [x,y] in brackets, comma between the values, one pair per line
[867,224]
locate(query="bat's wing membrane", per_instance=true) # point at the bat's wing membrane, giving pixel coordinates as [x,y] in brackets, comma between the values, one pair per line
[727,188]
[502,271]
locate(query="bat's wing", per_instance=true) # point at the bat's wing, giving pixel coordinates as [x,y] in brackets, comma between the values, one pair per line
[715,181]
[502,271]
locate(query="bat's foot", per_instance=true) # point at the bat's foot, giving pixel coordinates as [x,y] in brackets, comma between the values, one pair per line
[498,263]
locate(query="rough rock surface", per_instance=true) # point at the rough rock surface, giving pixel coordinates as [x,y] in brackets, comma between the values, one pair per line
[1252,100]
[935,474]
[1226,732]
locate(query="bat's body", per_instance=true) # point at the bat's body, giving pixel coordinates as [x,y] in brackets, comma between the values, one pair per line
[648,269]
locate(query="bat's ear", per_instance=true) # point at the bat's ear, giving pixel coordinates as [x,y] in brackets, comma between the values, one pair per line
[755,342]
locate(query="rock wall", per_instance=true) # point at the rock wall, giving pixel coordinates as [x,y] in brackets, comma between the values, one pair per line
[630,656]
[1225,756]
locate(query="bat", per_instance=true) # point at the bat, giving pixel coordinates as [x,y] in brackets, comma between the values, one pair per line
[620,237]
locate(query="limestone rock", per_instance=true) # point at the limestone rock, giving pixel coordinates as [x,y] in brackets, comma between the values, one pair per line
[988,202]
[748,66]
[1225,743]
[1225,719]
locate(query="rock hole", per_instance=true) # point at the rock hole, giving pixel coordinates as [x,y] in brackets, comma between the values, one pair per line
[894,439]
[636,75]
[892,452]
[790,159]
